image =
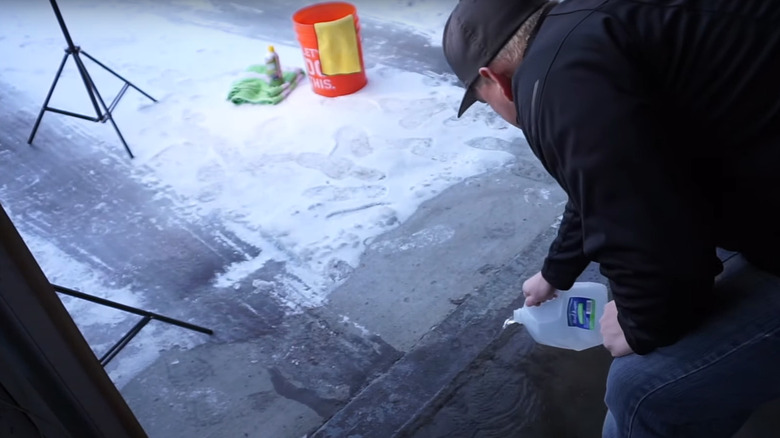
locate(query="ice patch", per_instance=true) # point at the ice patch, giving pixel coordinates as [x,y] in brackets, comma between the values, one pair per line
[424,238]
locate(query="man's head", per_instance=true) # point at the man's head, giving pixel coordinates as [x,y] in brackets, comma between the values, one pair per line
[484,41]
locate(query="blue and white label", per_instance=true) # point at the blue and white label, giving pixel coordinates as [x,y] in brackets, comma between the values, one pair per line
[582,313]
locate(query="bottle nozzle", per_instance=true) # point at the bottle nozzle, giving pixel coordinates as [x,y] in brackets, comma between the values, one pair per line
[271,49]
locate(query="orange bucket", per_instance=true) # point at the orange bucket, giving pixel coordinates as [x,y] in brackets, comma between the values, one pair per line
[329,34]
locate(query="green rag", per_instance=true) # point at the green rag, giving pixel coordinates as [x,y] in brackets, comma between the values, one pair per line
[259,90]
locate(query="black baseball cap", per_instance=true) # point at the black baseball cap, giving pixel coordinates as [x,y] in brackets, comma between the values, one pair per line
[476,31]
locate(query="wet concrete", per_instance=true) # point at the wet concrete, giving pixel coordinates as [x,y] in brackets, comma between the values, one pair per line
[441,387]
[520,389]
[520,392]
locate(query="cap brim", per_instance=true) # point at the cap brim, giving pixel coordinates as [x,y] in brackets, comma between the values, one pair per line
[468,99]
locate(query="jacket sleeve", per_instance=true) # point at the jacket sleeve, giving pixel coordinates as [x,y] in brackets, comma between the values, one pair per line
[565,260]
[645,217]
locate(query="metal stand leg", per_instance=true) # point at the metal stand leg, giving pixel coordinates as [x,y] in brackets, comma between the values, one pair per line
[48,97]
[127,83]
[147,317]
[104,112]
[122,343]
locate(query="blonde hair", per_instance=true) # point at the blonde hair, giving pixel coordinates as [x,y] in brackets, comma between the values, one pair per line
[508,58]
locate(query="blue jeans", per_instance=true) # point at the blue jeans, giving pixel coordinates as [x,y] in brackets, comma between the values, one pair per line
[711,381]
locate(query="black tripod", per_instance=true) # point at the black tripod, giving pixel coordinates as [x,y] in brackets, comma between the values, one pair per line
[102,112]
[147,317]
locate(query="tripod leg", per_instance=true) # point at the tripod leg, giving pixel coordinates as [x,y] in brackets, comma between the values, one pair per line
[91,89]
[48,98]
[122,343]
[118,76]
[133,310]
[110,118]
[119,133]
[94,94]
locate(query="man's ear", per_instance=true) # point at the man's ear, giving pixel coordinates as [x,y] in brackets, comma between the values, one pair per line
[503,81]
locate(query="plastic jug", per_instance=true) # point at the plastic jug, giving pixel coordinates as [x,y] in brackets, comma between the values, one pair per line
[570,321]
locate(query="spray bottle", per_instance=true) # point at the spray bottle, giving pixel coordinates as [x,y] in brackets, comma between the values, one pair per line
[273,67]
[570,321]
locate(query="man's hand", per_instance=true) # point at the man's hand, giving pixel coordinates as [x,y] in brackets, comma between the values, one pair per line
[537,290]
[614,339]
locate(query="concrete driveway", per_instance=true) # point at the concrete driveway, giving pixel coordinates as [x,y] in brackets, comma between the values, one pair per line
[409,344]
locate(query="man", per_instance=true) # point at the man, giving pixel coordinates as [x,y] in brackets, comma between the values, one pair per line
[661,121]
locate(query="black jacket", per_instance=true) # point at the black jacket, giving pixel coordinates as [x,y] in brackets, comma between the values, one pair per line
[661,121]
